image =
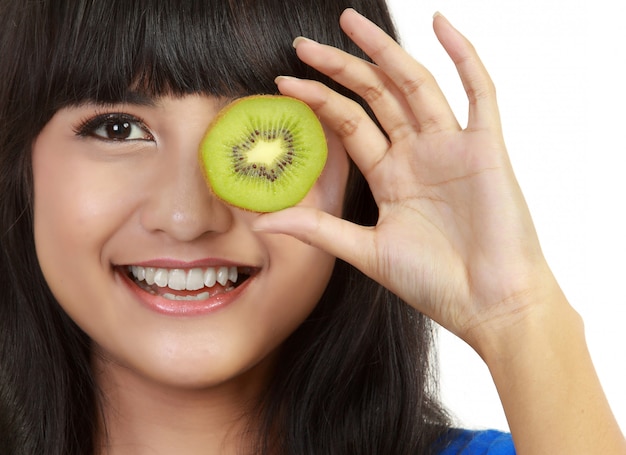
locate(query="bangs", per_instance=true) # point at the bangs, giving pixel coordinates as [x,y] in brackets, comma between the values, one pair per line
[158,47]
[57,53]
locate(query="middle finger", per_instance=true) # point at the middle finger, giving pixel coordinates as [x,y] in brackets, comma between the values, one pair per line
[413,80]
[365,79]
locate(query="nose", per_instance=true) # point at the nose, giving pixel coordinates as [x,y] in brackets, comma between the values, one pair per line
[181,205]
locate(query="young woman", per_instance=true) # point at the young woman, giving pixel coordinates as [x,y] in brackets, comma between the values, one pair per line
[288,350]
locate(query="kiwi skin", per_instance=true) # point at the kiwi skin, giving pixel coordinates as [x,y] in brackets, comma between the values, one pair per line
[263,153]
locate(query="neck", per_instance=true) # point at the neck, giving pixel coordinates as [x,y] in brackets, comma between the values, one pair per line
[140,416]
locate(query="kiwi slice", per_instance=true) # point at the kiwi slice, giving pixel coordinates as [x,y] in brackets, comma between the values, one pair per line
[264,152]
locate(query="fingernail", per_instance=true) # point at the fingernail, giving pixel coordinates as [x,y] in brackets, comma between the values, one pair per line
[438,14]
[301,39]
[285,78]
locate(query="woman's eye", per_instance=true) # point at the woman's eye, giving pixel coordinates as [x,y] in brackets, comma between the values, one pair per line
[115,127]
[120,130]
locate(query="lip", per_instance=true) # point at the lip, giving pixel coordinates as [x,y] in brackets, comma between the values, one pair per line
[182,308]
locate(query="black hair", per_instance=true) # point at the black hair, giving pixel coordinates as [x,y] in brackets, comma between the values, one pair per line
[356,377]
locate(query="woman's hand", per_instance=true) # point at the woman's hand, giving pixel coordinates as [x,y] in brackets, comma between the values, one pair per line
[454,237]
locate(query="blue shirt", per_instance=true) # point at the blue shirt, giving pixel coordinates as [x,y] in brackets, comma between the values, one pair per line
[485,442]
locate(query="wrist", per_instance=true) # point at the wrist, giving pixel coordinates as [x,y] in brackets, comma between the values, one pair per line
[543,372]
[533,323]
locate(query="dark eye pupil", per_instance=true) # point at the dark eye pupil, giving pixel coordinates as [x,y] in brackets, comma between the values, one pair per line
[118,130]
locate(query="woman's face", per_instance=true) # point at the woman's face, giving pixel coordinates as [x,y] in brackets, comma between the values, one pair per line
[128,233]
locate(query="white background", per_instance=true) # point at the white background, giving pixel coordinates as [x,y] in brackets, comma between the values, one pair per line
[560,70]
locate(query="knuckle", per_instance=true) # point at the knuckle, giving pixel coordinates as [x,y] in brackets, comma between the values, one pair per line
[402,131]
[348,127]
[479,92]
[411,86]
[336,67]
[379,51]
[429,124]
[373,93]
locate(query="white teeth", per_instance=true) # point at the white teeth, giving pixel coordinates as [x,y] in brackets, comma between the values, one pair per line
[161,277]
[210,277]
[139,272]
[195,280]
[233,275]
[222,275]
[149,274]
[201,296]
[189,280]
[177,280]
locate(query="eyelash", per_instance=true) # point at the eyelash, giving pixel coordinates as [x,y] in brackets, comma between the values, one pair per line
[89,126]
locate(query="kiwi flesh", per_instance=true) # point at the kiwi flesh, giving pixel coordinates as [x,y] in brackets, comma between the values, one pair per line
[263,153]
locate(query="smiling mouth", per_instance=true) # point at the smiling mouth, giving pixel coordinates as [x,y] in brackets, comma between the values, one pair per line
[188,284]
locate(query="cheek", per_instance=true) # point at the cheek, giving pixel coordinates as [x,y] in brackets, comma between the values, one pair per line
[77,208]
[61,226]
[299,275]
[61,214]
[70,209]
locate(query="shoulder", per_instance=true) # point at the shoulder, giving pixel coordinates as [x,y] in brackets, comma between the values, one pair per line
[469,442]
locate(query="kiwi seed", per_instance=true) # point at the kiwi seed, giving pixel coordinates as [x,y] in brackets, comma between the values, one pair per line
[264,152]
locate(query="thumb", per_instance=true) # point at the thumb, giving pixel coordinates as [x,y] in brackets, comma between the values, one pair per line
[347,241]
